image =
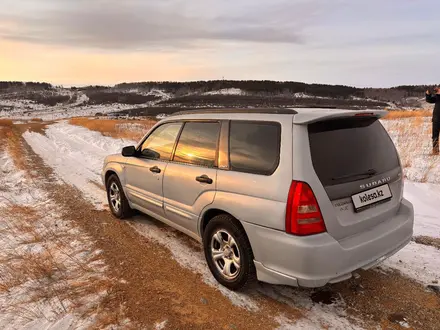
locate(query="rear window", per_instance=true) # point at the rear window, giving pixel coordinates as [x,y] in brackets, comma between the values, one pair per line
[254,147]
[350,149]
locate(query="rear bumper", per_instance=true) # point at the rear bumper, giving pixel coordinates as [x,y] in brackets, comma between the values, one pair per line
[316,260]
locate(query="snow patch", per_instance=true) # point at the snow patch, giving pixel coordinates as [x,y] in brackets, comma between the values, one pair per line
[317,320]
[161,325]
[307,96]
[404,324]
[12,190]
[417,261]
[303,96]
[81,99]
[160,93]
[76,154]
[226,91]
[318,316]
[133,127]
[425,198]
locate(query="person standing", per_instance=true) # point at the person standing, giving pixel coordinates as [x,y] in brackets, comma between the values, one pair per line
[430,98]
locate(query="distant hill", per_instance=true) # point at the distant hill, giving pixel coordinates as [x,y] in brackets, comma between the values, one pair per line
[164,97]
[286,88]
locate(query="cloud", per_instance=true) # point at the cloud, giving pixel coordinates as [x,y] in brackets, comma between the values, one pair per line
[135,24]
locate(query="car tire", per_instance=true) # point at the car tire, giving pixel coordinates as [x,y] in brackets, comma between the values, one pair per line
[117,201]
[235,249]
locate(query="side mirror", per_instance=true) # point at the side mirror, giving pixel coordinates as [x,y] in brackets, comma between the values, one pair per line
[151,154]
[129,151]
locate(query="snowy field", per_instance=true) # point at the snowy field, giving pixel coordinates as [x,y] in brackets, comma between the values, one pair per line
[76,154]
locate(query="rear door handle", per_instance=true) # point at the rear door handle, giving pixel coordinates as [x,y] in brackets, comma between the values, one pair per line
[155,169]
[204,179]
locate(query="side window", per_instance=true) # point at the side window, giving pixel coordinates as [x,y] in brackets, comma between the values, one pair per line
[254,147]
[198,144]
[159,145]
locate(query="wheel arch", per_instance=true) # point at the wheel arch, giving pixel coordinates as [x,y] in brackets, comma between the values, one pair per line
[114,168]
[108,174]
[210,213]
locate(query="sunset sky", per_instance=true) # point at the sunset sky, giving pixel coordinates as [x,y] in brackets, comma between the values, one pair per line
[362,43]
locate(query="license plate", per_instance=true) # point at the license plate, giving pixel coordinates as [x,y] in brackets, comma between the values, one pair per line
[372,196]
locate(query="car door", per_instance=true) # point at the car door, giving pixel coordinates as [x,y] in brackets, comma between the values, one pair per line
[190,178]
[144,173]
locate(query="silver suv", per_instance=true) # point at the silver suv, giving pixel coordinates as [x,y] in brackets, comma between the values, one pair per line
[296,197]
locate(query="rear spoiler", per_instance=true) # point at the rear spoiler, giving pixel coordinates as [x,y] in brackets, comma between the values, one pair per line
[308,116]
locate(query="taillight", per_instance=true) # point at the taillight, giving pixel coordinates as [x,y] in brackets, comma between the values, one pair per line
[303,216]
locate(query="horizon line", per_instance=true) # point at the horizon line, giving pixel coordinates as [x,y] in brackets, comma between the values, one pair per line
[208,80]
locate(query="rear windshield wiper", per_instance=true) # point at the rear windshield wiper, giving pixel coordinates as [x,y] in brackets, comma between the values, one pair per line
[367,174]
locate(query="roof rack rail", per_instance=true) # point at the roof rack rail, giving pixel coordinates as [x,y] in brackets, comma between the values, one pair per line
[282,111]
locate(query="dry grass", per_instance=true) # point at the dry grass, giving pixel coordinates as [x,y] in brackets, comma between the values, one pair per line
[18,267]
[3,138]
[116,128]
[433,163]
[49,273]
[412,137]
[27,214]
[15,149]
[400,114]
[417,122]
[27,211]
[10,140]
[6,122]
[405,134]
[38,266]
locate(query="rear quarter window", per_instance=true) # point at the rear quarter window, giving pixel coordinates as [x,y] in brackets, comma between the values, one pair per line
[254,147]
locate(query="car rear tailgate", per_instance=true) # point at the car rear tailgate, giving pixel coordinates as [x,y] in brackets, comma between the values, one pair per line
[348,155]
